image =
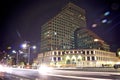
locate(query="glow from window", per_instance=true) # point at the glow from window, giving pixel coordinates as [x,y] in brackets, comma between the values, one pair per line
[79,57]
[68,57]
[73,57]
[96,40]
[55,33]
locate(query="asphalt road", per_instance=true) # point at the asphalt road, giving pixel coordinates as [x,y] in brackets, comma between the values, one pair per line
[55,74]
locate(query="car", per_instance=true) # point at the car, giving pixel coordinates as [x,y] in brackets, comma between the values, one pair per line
[116,66]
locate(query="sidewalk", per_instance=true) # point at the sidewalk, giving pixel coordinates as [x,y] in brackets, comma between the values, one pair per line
[94,69]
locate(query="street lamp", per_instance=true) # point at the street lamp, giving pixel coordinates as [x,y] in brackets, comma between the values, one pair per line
[27,46]
[17,53]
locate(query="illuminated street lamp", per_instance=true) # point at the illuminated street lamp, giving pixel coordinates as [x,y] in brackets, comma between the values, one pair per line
[34,47]
[24,46]
[27,46]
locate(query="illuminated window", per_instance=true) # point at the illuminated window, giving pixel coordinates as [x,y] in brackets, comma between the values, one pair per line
[55,33]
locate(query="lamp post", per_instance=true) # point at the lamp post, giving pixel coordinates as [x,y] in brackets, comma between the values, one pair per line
[17,53]
[27,46]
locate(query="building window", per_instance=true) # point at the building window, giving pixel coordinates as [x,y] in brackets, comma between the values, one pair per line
[97,58]
[59,58]
[58,53]
[83,58]
[55,53]
[88,58]
[68,61]
[67,52]
[87,52]
[91,52]
[80,52]
[54,58]
[78,60]
[75,51]
[73,61]
[71,51]
[93,58]
[63,53]
[83,52]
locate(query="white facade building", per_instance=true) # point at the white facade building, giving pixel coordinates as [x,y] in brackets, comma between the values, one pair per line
[78,58]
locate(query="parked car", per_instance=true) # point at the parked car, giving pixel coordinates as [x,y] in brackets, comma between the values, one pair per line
[116,66]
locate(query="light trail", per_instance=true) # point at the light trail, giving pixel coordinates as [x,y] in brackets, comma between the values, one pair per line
[66,74]
[76,77]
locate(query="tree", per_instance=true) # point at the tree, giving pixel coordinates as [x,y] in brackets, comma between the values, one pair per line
[2,54]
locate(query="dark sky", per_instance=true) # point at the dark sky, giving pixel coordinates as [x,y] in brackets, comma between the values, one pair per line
[20,20]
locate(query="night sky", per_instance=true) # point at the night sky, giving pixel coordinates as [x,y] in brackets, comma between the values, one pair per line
[20,20]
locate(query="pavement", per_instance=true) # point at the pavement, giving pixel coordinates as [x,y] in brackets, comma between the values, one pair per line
[94,69]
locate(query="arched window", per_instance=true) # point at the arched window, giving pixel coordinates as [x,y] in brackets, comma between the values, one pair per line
[68,61]
[73,61]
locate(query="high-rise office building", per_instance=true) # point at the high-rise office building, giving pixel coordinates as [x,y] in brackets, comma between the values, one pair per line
[58,33]
[65,41]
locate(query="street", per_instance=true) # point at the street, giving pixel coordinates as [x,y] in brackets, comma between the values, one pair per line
[59,74]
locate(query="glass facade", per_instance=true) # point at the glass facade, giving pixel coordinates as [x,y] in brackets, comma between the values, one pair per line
[86,39]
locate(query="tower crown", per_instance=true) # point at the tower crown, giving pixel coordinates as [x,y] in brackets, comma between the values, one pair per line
[75,8]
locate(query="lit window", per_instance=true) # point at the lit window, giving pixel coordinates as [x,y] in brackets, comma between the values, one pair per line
[55,33]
